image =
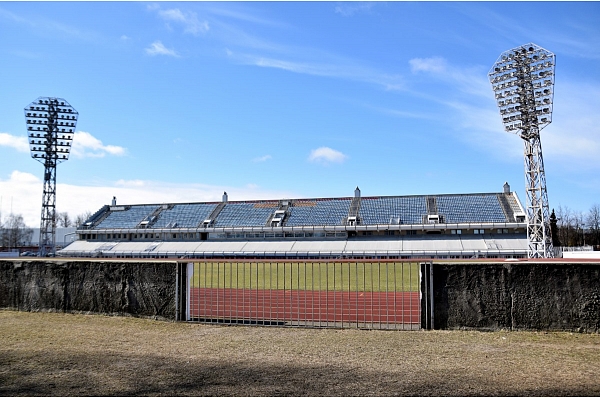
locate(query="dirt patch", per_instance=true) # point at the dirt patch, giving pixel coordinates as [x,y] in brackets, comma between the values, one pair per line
[48,354]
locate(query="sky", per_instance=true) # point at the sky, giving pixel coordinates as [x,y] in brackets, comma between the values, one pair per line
[181,101]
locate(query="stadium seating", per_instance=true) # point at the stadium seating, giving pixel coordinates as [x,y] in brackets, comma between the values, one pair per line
[319,212]
[386,210]
[245,214]
[184,215]
[392,210]
[470,208]
[128,218]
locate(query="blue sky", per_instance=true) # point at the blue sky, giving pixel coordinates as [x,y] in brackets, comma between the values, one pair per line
[180,101]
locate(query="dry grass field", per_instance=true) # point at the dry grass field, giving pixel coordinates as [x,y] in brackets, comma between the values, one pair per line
[47,354]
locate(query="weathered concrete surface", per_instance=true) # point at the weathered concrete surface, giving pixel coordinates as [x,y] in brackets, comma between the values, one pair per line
[527,296]
[126,288]
[486,296]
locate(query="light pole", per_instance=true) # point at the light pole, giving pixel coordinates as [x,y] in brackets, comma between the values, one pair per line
[523,82]
[51,125]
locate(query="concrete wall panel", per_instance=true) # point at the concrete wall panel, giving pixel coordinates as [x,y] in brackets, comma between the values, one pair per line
[529,296]
[107,287]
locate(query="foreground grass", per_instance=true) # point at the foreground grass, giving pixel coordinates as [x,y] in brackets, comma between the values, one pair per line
[45,354]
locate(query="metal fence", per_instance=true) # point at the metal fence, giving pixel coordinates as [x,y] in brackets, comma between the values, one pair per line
[341,294]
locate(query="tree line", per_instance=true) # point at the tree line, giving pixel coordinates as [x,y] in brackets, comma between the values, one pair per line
[574,229]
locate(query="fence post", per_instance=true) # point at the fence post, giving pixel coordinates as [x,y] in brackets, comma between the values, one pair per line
[181,292]
[426,275]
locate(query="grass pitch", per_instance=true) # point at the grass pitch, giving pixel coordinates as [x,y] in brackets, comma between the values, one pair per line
[315,276]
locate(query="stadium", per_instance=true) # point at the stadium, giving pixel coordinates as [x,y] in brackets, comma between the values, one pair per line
[446,226]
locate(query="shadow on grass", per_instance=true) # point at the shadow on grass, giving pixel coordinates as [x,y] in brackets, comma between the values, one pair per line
[23,373]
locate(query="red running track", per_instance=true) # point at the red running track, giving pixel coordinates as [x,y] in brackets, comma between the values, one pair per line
[305,305]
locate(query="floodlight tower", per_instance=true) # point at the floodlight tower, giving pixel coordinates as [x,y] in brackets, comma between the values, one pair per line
[523,82]
[50,128]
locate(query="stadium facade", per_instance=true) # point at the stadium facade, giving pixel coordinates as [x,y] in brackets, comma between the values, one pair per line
[476,225]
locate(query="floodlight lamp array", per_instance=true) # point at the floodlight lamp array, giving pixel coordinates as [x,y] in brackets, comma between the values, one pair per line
[523,82]
[51,125]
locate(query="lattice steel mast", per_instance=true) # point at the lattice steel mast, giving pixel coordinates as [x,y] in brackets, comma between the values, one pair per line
[523,82]
[50,128]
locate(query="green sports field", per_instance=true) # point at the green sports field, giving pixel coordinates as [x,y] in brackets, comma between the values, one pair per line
[319,276]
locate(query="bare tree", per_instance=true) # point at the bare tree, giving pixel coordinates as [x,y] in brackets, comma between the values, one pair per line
[593,224]
[578,227]
[81,218]
[15,232]
[554,230]
[1,231]
[565,221]
[63,219]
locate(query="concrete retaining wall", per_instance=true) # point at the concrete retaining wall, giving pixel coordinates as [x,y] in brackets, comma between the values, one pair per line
[485,296]
[144,289]
[520,296]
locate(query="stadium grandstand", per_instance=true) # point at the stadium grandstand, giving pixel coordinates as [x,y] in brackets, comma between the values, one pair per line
[477,225]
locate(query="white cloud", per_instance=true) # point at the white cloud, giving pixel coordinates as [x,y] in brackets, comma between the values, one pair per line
[188,19]
[86,145]
[572,139]
[24,191]
[326,155]
[471,80]
[17,142]
[157,48]
[130,183]
[22,194]
[48,26]
[344,69]
[262,159]
[347,10]
[433,64]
